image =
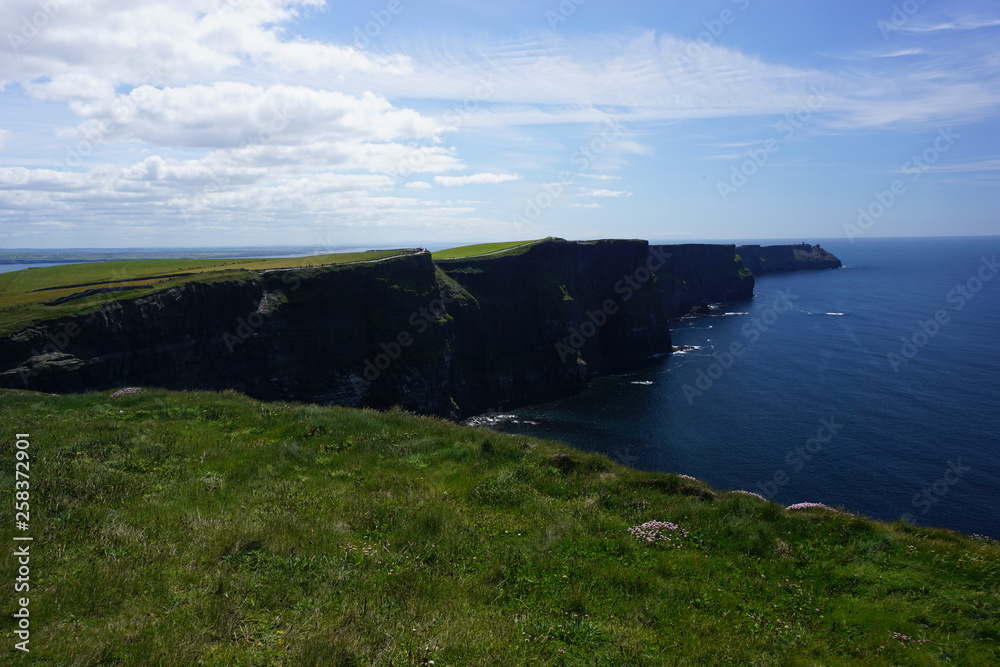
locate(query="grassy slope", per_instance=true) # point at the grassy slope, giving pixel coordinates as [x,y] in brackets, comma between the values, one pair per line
[463,252]
[212,529]
[23,293]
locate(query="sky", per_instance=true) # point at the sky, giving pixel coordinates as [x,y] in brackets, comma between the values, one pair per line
[327,123]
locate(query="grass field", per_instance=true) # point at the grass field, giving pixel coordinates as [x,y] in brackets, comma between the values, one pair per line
[212,529]
[479,249]
[24,294]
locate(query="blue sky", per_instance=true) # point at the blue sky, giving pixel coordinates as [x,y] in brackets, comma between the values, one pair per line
[397,122]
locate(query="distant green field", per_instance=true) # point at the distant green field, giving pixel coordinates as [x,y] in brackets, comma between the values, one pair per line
[481,249]
[24,294]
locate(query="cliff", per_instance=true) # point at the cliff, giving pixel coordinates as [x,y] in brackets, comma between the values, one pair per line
[540,323]
[304,334]
[780,258]
[451,338]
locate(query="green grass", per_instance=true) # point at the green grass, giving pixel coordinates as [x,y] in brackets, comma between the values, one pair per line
[24,294]
[478,249]
[204,528]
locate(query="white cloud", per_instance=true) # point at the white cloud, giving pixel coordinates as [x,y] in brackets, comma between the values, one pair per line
[961,24]
[592,205]
[4,138]
[602,177]
[229,114]
[550,78]
[981,165]
[87,49]
[628,146]
[586,192]
[476,179]
[418,185]
[22,179]
[899,53]
[159,200]
[641,77]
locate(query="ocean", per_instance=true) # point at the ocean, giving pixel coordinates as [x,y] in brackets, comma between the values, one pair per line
[873,387]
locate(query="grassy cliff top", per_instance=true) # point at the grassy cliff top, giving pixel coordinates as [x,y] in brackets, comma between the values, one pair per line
[483,249]
[32,295]
[204,528]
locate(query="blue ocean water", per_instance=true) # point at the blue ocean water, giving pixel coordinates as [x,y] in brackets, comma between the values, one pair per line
[815,408]
[7,268]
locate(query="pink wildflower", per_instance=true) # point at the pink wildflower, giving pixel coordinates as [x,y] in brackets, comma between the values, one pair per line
[658,531]
[806,506]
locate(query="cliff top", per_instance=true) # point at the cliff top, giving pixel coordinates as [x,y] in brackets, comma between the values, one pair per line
[486,249]
[32,295]
[181,528]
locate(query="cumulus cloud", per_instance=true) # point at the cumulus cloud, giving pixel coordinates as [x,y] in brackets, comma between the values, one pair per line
[418,185]
[229,114]
[476,179]
[75,50]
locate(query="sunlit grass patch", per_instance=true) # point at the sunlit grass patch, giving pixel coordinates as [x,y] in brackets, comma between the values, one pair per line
[210,528]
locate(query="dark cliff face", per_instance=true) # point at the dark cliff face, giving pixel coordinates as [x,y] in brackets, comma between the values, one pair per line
[780,258]
[302,334]
[540,323]
[452,339]
[162,339]
[699,273]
